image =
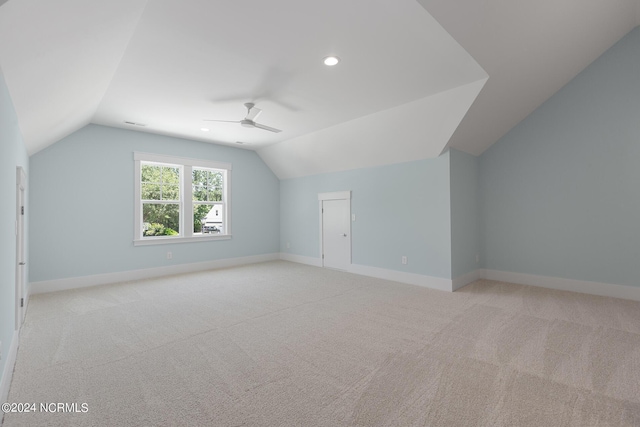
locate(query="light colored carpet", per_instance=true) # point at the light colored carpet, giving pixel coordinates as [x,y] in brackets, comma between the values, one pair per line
[282,344]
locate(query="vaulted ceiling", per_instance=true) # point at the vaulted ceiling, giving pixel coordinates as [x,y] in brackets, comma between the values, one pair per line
[415,77]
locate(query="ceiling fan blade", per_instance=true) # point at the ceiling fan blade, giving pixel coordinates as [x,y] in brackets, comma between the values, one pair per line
[253,113]
[270,129]
[224,121]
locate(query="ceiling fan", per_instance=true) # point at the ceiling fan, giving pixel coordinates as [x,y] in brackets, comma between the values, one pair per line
[249,121]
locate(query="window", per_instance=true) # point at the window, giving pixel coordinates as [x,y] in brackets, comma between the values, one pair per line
[160,194]
[180,200]
[207,200]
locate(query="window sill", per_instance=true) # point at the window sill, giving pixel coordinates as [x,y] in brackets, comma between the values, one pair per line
[170,240]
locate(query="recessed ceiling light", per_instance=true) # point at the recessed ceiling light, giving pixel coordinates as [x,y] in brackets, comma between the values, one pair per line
[331,60]
[204,129]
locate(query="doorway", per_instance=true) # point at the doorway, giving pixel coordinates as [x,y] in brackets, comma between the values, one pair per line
[21,183]
[335,229]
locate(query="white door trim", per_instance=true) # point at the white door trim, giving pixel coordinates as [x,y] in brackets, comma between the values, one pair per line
[20,291]
[335,195]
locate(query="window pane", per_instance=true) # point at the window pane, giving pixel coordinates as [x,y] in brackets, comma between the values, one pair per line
[199,177]
[207,185]
[150,191]
[199,213]
[212,222]
[170,175]
[160,182]
[150,173]
[215,181]
[199,193]
[170,192]
[215,195]
[160,219]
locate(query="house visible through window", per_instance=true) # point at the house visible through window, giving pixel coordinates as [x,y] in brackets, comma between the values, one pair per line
[181,199]
[207,200]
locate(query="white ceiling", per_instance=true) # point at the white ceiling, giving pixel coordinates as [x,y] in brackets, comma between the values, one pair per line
[195,59]
[58,58]
[401,92]
[530,49]
[416,130]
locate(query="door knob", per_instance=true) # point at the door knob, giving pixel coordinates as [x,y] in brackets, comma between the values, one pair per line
[22,263]
[344,235]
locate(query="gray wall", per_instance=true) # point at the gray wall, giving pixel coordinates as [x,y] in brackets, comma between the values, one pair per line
[83,205]
[12,155]
[465,213]
[560,193]
[401,209]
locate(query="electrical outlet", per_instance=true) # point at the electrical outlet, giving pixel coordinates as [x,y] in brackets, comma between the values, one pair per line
[288,245]
[404,260]
[477,258]
[169,255]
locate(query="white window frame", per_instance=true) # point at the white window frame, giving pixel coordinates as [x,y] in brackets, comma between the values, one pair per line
[186,199]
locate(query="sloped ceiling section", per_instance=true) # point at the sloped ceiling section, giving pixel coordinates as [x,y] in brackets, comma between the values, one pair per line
[193,59]
[417,130]
[170,64]
[58,58]
[530,50]
[413,130]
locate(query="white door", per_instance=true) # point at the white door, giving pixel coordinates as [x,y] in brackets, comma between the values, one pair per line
[336,233]
[20,257]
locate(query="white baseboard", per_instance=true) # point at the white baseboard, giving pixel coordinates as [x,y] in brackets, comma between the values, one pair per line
[125,276]
[27,295]
[464,280]
[7,373]
[379,273]
[585,287]
[403,277]
[316,262]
